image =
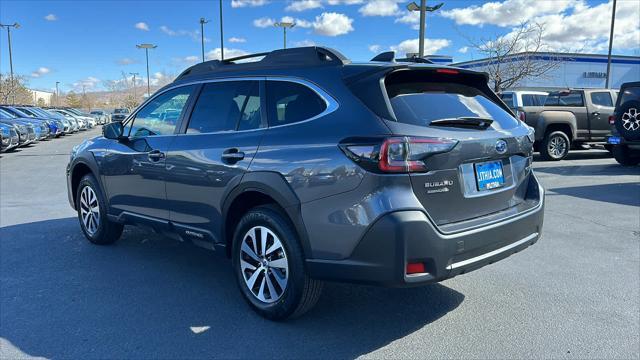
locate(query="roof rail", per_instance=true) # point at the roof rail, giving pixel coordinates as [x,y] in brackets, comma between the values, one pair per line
[301,56]
[389,56]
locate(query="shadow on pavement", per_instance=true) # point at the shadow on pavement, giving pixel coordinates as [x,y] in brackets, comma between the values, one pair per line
[624,194]
[578,155]
[148,297]
[590,170]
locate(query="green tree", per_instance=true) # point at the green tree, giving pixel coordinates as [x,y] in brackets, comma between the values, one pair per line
[73,100]
[16,92]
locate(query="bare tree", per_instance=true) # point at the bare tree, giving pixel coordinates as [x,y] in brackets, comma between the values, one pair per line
[18,90]
[514,57]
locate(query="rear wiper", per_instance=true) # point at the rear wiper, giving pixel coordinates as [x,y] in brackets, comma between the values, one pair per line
[464,122]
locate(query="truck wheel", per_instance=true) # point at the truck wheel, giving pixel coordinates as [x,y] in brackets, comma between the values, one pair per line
[269,265]
[623,156]
[627,120]
[555,146]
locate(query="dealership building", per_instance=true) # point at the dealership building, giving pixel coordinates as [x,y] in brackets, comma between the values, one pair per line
[571,70]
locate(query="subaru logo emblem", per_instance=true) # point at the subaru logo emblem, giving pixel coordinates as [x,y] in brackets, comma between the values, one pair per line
[501,146]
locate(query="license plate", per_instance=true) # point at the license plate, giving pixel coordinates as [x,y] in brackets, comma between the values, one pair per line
[489,175]
[615,140]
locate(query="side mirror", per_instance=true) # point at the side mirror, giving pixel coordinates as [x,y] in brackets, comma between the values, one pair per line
[113,130]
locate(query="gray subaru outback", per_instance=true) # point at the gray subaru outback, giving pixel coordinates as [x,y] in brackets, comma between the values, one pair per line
[304,167]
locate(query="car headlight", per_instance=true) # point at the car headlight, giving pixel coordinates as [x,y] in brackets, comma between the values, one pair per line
[531,134]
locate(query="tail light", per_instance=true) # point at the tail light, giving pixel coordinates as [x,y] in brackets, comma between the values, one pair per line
[612,120]
[395,154]
[522,116]
[415,268]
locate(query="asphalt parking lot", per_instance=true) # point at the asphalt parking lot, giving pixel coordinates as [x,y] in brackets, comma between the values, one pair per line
[575,294]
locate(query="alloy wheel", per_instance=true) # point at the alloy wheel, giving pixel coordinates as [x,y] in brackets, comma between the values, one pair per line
[557,147]
[264,265]
[89,210]
[631,119]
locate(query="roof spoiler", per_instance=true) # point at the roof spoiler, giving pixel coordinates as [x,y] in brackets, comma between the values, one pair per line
[301,56]
[390,56]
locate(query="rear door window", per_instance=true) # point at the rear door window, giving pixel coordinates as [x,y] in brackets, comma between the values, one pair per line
[508,99]
[570,98]
[601,98]
[290,102]
[420,103]
[226,106]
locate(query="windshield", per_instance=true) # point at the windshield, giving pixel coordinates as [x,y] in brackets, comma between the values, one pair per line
[27,112]
[121,111]
[420,103]
[6,115]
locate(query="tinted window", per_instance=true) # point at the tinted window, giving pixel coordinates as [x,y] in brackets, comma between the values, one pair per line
[533,99]
[571,98]
[226,106]
[289,102]
[601,98]
[419,103]
[161,115]
[630,93]
[508,99]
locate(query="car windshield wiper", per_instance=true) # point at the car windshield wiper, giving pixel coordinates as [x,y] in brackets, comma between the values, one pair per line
[464,122]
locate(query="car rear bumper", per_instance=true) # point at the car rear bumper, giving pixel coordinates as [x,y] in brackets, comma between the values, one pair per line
[403,237]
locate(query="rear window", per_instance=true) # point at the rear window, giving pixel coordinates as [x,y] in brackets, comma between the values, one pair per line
[630,93]
[420,103]
[508,99]
[533,99]
[570,98]
[289,102]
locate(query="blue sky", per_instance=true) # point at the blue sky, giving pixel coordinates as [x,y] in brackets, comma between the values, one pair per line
[87,42]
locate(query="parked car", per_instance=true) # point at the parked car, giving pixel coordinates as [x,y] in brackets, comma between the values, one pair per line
[102,116]
[56,126]
[119,114]
[571,118]
[10,139]
[518,100]
[26,131]
[379,173]
[80,122]
[67,125]
[625,123]
[42,127]
[89,121]
[93,121]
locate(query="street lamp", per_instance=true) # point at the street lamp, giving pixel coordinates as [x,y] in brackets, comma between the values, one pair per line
[221,35]
[423,8]
[57,94]
[146,48]
[135,95]
[284,26]
[202,22]
[613,21]
[9,26]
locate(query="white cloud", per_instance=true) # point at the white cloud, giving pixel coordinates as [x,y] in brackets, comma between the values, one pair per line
[41,71]
[237,40]
[375,48]
[344,2]
[380,8]
[302,5]
[299,22]
[168,31]
[215,54]
[142,26]
[569,25]
[126,61]
[463,50]
[506,13]
[263,22]
[304,43]
[245,3]
[51,17]
[332,24]
[192,59]
[89,83]
[411,18]
[431,46]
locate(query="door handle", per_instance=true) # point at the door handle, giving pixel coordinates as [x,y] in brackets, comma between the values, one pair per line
[155,155]
[232,155]
[595,113]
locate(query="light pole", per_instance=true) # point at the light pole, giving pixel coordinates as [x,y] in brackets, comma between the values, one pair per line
[284,26]
[57,94]
[423,8]
[135,95]
[84,95]
[146,48]
[9,26]
[202,22]
[613,20]
[221,34]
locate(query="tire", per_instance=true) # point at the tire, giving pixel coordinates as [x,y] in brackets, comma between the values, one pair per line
[266,294]
[555,146]
[627,120]
[623,156]
[105,231]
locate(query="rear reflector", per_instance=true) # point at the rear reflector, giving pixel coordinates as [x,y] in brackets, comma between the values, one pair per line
[522,116]
[448,71]
[612,120]
[415,268]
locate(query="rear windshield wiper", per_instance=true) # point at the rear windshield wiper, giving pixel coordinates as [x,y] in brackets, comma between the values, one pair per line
[464,122]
